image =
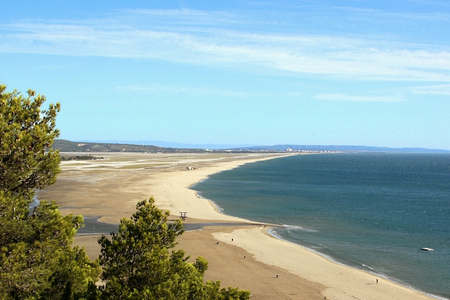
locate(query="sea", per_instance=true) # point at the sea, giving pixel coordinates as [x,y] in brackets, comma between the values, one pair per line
[373,211]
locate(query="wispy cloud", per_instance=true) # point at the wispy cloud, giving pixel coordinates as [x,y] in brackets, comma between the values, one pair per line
[442,89]
[353,98]
[163,89]
[127,36]
[184,17]
[383,15]
[182,90]
[437,3]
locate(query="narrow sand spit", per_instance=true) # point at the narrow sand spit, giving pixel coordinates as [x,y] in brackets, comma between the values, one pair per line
[110,189]
[172,191]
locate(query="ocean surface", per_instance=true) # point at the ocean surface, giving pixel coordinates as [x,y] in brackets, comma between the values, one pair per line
[371,211]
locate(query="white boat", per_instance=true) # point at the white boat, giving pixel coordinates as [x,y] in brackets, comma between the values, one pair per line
[427,249]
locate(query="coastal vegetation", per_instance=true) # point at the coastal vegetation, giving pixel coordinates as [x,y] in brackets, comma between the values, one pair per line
[69,146]
[38,258]
[80,157]
[138,261]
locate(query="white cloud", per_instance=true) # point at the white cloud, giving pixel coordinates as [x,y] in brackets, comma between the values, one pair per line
[443,89]
[163,38]
[353,98]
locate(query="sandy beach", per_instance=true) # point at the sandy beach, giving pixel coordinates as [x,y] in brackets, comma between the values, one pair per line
[247,257]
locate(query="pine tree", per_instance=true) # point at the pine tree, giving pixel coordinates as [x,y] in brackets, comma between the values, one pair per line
[37,256]
[26,160]
[37,259]
[139,261]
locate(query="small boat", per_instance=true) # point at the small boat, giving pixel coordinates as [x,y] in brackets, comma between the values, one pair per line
[427,249]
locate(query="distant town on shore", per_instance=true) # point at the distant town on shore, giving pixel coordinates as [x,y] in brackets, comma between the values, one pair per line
[74,146]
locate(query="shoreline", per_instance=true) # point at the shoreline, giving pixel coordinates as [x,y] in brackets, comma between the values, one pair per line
[397,289]
[336,261]
[173,190]
[118,182]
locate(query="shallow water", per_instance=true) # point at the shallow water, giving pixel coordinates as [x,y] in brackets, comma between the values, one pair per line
[92,226]
[373,211]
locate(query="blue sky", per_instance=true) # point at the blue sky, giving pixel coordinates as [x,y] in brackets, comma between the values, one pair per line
[237,72]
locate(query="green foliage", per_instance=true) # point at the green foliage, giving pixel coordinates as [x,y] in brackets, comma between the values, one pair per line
[138,262]
[68,146]
[37,256]
[37,259]
[27,133]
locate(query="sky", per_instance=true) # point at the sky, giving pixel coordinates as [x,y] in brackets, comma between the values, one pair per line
[348,72]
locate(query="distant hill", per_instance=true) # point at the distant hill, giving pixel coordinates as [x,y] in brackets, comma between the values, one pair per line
[69,146]
[334,148]
[166,144]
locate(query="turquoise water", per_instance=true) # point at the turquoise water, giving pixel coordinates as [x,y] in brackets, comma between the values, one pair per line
[372,211]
